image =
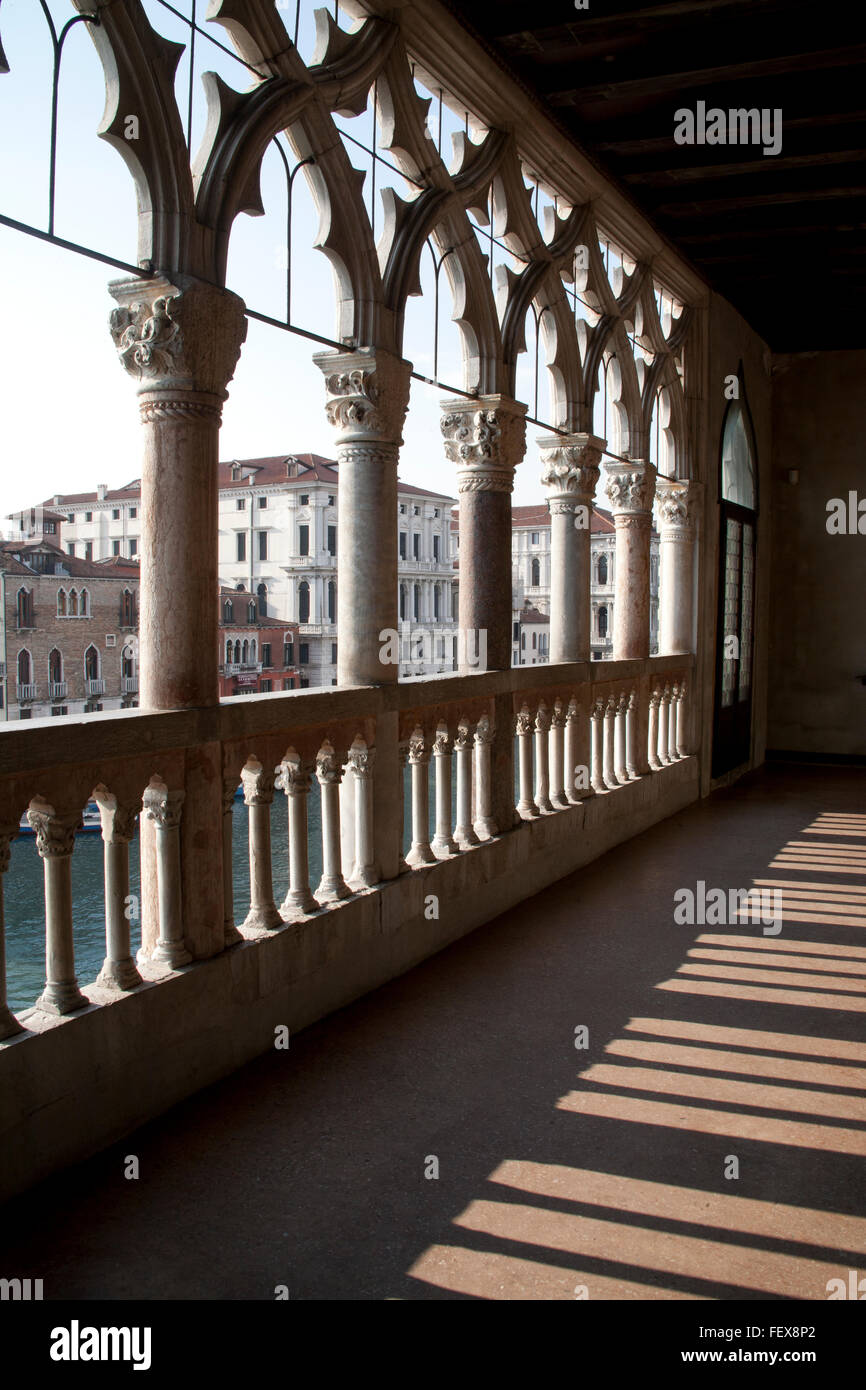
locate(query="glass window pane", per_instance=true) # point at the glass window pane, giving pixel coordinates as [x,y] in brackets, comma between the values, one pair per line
[738,469]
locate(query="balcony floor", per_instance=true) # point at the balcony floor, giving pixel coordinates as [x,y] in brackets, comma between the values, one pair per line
[558,1167]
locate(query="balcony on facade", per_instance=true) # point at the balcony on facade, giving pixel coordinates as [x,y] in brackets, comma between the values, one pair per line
[26,692]
[129,685]
[95,685]
[57,690]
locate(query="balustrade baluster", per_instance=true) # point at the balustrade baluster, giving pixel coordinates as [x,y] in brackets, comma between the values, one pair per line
[118,828]
[443,843]
[609,773]
[526,806]
[558,798]
[364,870]
[329,771]
[419,761]
[55,841]
[296,779]
[484,824]
[663,726]
[542,763]
[231,935]
[621,759]
[672,723]
[596,776]
[163,808]
[258,784]
[464,831]
[655,701]
[682,713]
[631,736]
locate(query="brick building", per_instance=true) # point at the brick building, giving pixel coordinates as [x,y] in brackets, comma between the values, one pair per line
[257,654]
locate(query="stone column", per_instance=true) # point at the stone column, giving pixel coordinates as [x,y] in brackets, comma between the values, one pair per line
[673,755]
[526,807]
[360,760]
[542,758]
[577,783]
[296,779]
[664,725]
[332,887]
[9,1025]
[118,828]
[464,831]
[443,843]
[596,773]
[558,798]
[677,503]
[630,489]
[632,735]
[258,784]
[484,823]
[231,935]
[55,841]
[180,340]
[419,761]
[682,743]
[610,777]
[163,809]
[570,470]
[621,767]
[485,438]
[655,702]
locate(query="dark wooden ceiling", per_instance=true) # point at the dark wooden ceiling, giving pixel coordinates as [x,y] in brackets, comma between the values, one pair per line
[782,237]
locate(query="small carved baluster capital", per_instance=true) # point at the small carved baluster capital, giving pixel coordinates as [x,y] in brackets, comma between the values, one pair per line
[542,719]
[484,731]
[163,807]
[118,821]
[258,784]
[442,744]
[361,759]
[329,768]
[524,722]
[464,736]
[557,718]
[296,775]
[55,834]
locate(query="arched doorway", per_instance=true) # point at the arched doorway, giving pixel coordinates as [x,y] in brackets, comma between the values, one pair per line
[738,499]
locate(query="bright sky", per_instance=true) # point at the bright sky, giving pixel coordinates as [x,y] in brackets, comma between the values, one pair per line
[68,418]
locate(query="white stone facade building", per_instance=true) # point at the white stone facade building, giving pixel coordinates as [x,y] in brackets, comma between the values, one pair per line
[278,528]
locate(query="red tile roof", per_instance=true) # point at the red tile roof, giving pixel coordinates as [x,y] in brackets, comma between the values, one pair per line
[600,521]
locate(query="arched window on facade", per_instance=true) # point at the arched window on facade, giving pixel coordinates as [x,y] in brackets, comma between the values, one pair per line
[332,601]
[73,603]
[84,606]
[436,601]
[237,653]
[252,612]
[61,603]
[262,600]
[228,653]
[303,602]
[55,666]
[127,662]
[416,601]
[245,652]
[254,650]
[602,621]
[25,608]
[127,608]
[91,664]
[602,569]
[25,667]
[535,574]
[228,611]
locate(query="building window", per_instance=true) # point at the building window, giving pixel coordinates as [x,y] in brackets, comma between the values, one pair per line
[534,641]
[305,499]
[25,608]
[304,540]
[240,504]
[241,545]
[25,667]
[262,600]
[436,513]
[55,666]
[402,545]
[133,512]
[88,550]
[91,664]
[523,641]
[289,684]
[115,547]
[303,654]
[228,611]
[416,546]
[416,511]
[88,516]
[533,539]
[60,710]
[304,602]
[436,601]
[263,545]
[266,687]
[535,576]
[115,514]
[332,540]
[133,547]
[25,713]
[602,569]
[289,655]
[333,653]
[49,528]
[402,508]
[435,547]
[70,548]
[303,683]
[332,602]
[331,500]
[127,609]
[72,604]
[84,607]
[263,502]
[602,621]
[266,654]
[61,603]
[416,601]
[402,602]
[252,612]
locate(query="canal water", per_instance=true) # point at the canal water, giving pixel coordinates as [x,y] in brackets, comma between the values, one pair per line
[25,900]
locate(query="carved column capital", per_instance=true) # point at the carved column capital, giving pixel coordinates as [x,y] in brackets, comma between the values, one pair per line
[258,785]
[464,736]
[542,719]
[361,759]
[118,822]
[485,436]
[570,469]
[55,834]
[677,501]
[367,395]
[630,487]
[329,768]
[7,835]
[419,747]
[484,731]
[180,340]
[442,744]
[163,807]
[296,774]
[524,721]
